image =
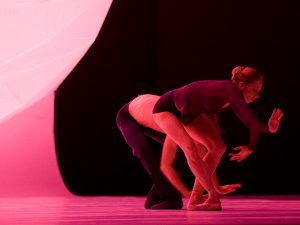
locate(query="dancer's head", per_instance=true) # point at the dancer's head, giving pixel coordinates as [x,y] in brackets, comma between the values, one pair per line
[248,81]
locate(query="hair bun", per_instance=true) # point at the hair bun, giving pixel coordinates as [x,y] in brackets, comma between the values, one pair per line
[236,71]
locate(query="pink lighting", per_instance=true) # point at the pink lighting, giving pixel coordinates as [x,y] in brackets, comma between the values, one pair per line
[41,42]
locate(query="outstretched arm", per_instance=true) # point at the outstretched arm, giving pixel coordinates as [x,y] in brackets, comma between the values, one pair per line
[273,125]
[166,166]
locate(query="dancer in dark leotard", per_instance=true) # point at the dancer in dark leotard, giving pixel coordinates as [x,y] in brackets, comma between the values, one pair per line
[176,109]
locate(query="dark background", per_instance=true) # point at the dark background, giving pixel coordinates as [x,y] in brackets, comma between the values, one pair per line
[151,46]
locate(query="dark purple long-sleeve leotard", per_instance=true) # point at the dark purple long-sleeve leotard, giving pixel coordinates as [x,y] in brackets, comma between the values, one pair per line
[210,97]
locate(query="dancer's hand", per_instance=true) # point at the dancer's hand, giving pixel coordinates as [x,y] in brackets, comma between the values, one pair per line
[244,151]
[226,189]
[274,121]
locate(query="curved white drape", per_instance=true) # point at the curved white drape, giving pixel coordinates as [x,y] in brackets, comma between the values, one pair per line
[41,42]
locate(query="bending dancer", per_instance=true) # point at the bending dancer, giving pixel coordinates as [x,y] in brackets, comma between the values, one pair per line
[135,121]
[177,109]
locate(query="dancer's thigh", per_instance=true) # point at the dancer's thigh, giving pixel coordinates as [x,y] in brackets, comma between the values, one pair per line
[203,131]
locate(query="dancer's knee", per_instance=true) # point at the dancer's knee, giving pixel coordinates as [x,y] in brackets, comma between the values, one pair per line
[192,155]
[189,148]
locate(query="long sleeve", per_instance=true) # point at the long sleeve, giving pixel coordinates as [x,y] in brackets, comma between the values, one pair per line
[247,116]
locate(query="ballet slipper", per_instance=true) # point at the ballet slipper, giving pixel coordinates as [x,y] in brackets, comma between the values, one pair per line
[206,206]
[196,198]
[152,198]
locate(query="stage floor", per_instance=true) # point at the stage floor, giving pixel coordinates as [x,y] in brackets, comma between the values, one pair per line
[129,210]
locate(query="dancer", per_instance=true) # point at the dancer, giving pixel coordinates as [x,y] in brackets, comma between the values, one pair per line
[177,109]
[136,122]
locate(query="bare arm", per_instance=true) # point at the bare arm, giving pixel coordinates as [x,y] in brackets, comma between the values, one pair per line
[273,125]
[166,166]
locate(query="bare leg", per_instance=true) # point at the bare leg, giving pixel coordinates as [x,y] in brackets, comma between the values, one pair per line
[176,131]
[204,131]
[197,192]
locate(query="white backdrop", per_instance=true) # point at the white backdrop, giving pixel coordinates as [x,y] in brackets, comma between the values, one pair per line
[41,42]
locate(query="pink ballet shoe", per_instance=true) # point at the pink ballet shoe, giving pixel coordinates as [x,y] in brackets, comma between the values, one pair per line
[206,206]
[196,201]
[196,198]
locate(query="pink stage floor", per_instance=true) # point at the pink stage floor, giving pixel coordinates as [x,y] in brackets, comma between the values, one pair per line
[129,210]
